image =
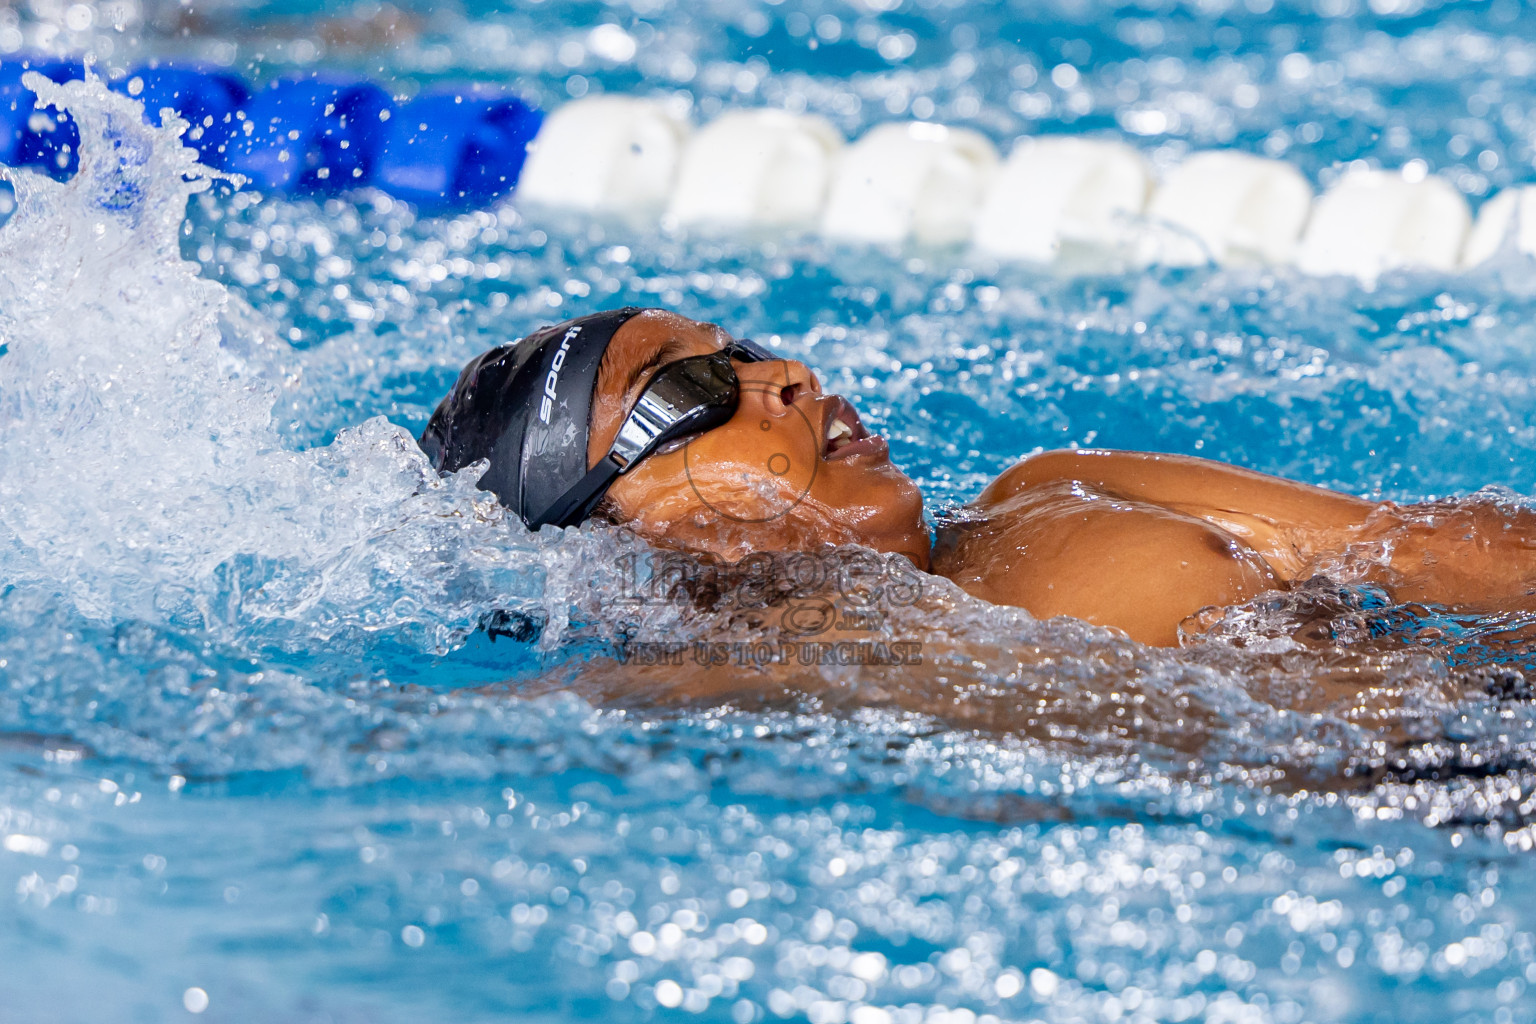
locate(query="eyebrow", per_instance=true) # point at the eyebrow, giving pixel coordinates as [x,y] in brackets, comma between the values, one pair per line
[663,354]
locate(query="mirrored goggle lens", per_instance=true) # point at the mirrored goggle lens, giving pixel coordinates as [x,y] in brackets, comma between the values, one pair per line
[684,399]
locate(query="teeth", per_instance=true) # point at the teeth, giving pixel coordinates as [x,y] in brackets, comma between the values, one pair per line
[839,430]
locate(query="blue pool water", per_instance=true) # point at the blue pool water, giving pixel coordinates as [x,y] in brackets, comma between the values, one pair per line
[256,763]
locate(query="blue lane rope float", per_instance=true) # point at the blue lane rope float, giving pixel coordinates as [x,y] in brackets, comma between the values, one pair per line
[207,98]
[449,149]
[309,136]
[29,137]
[444,151]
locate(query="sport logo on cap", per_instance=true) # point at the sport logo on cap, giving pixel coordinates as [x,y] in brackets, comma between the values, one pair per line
[552,379]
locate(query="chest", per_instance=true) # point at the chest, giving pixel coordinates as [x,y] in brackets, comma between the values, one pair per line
[1061,549]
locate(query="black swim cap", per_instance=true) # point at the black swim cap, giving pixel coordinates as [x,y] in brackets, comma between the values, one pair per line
[527,407]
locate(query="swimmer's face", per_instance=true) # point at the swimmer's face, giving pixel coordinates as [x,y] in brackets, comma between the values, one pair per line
[793,469]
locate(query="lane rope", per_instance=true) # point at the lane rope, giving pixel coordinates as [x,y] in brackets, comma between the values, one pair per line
[1080,203]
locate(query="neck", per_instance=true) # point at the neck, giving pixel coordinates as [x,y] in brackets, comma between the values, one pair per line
[949,528]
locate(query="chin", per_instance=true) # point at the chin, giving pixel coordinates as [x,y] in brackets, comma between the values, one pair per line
[906,534]
[885,510]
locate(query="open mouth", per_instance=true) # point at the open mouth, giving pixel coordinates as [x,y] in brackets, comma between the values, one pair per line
[845,436]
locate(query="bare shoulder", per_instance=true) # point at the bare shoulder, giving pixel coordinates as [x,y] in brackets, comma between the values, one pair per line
[1198,486]
[1089,465]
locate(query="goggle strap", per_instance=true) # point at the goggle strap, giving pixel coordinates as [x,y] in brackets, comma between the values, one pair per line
[748,351]
[573,506]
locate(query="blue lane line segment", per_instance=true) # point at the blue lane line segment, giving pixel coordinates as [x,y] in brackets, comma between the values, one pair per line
[449,149]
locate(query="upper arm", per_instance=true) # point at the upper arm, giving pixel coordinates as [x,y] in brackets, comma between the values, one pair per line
[1195,486]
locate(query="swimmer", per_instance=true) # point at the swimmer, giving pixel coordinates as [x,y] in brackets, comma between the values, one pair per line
[700,441]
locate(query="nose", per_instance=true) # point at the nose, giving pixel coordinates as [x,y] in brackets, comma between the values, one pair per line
[777,383]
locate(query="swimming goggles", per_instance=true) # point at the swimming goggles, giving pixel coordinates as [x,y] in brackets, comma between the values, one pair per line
[683,400]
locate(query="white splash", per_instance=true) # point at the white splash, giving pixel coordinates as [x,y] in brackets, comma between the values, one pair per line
[140,473]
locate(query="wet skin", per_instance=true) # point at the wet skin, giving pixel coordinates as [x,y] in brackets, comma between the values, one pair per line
[762,481]
[1131,540]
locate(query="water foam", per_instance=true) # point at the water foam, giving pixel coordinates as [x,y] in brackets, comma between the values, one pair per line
[140,471]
